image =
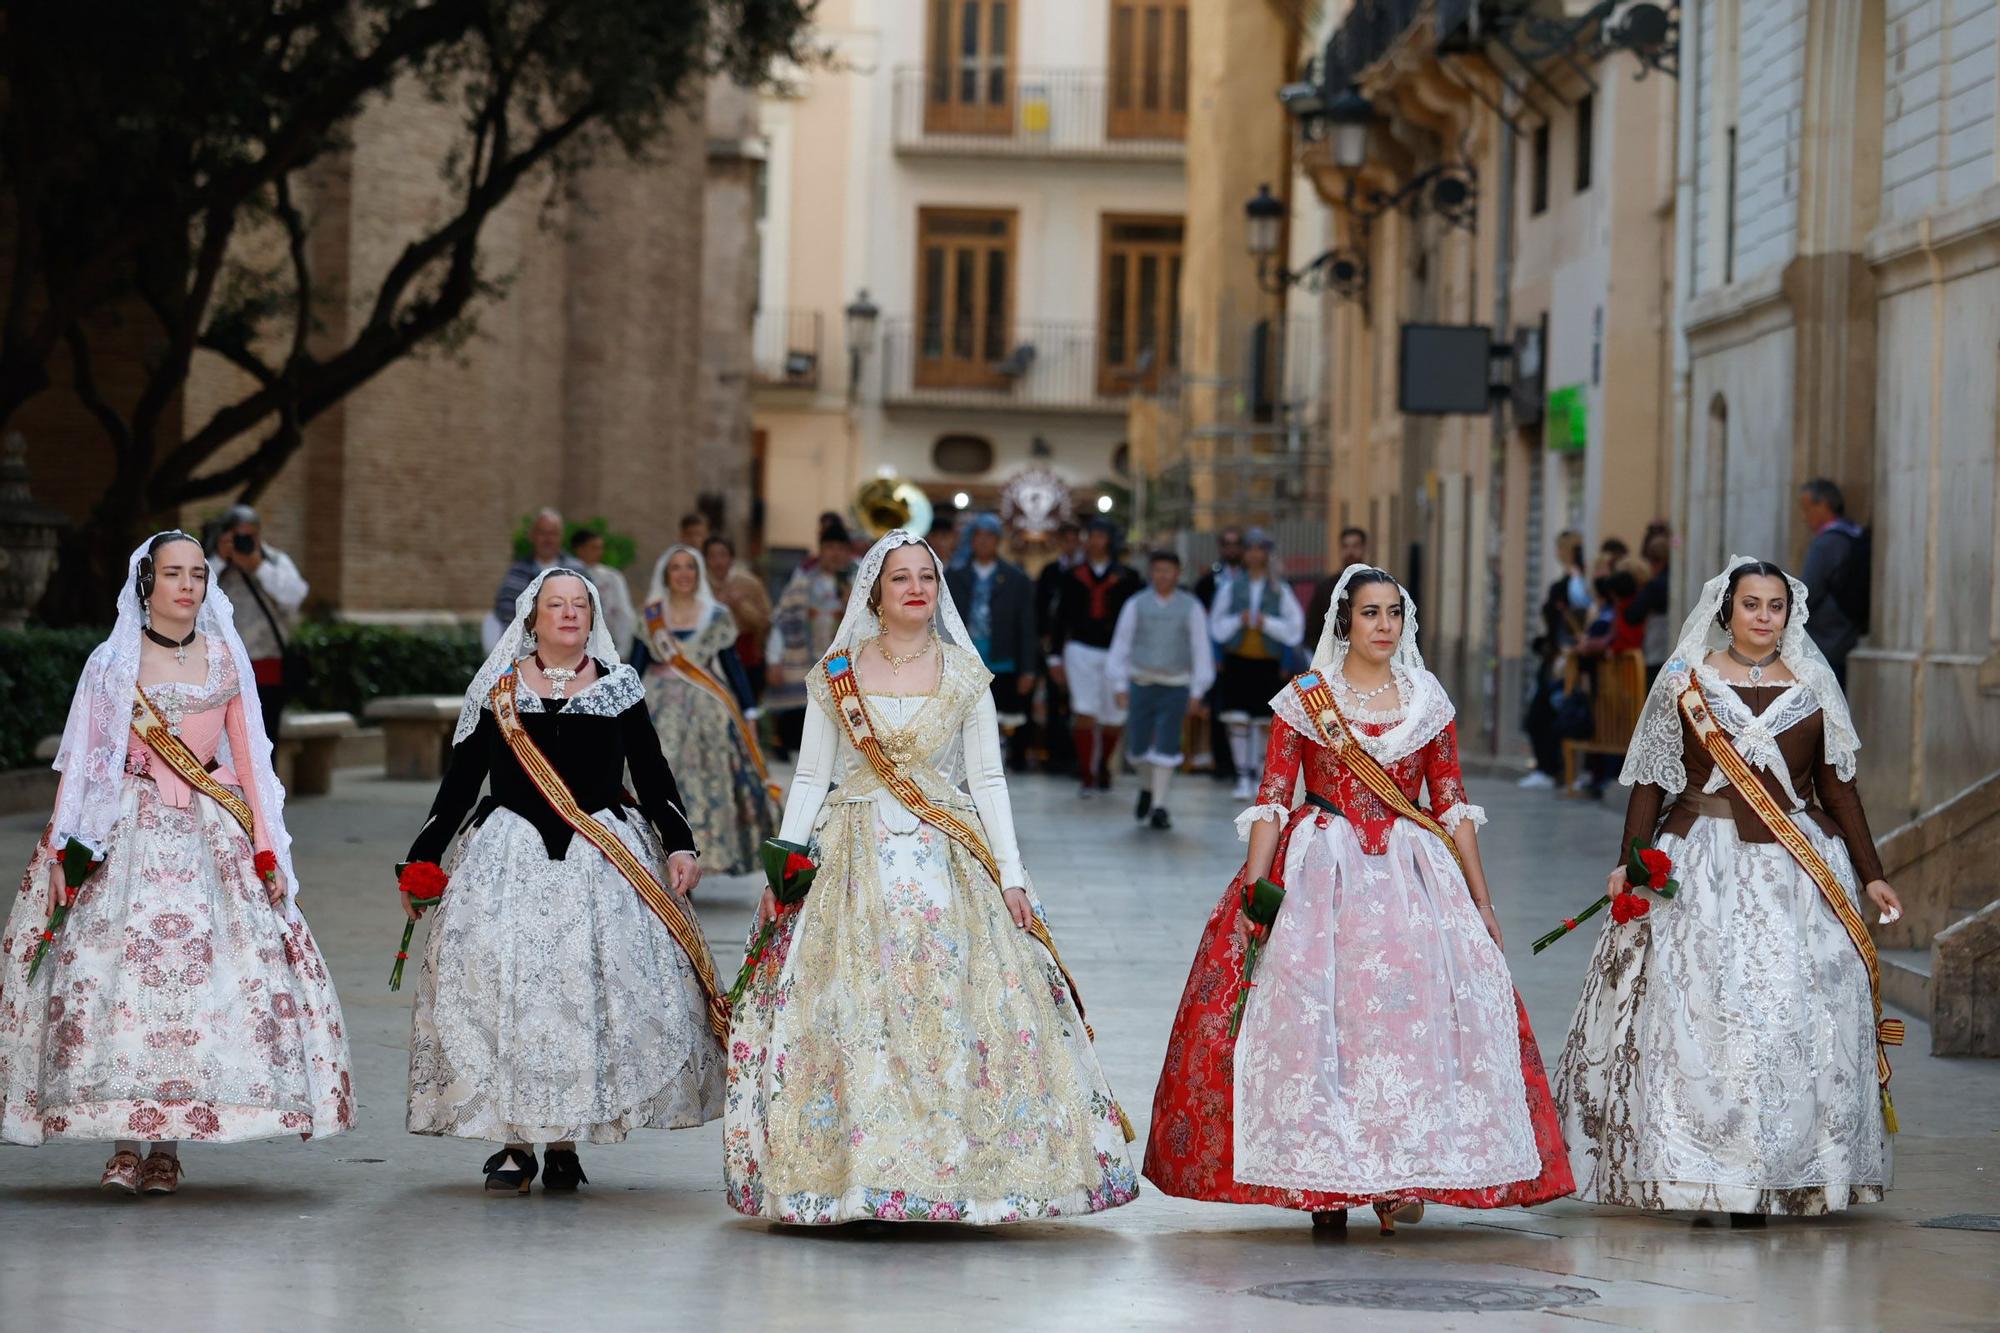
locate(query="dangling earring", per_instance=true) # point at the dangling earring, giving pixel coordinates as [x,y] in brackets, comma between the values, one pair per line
[146,613]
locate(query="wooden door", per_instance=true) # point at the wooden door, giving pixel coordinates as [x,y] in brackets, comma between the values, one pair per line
[1148,95]
[965,296]
[1139,303]
[969,83]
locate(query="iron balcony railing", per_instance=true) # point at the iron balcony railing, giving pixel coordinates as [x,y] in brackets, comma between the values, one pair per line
[1042,113]
[1036,366]
[786,348]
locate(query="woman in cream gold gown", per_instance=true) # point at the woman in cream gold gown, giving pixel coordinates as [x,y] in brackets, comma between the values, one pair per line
[910,1049]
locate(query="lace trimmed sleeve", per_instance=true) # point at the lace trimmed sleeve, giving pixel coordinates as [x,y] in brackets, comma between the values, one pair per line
[1654,754]
[1282,759]
[1446,781]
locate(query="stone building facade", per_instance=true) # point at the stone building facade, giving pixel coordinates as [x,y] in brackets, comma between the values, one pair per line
[606,375]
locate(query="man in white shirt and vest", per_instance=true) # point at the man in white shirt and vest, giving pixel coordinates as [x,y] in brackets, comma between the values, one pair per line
[1255,617]
[1159,667]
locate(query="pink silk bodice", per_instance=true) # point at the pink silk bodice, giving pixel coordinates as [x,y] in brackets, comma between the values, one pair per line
[203,714]
[1434,763]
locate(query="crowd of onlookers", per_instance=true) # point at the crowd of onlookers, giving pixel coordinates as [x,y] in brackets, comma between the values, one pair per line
[1617,603]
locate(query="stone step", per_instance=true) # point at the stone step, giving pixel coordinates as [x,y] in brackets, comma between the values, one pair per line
[1906,980]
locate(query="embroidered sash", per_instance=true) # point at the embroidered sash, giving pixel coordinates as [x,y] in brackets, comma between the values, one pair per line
[667,650]
[1339,739]
[1888,1032]
[672,912]
[851,710]
[165,741]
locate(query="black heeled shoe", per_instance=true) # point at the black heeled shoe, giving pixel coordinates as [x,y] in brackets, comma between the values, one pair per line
[563,1171]
[1330,1222]
[1748,1221]
[511,1170]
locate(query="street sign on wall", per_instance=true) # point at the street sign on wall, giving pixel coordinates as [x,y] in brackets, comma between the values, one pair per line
[1566,425]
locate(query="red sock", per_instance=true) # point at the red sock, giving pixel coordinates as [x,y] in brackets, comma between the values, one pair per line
[1086,748]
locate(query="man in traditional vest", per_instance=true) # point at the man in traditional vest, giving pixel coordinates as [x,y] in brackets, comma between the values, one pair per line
[1092,596]
[1255,618]
[1160,666]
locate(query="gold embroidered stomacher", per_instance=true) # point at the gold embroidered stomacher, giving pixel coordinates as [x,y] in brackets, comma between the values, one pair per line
[1338,738]
[672,912]
[165,741]
[1888,1032]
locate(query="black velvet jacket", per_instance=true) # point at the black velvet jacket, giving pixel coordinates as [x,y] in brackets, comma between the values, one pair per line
[590,751]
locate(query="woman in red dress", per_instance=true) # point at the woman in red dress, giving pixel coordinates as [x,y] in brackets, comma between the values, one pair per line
[1384,1058]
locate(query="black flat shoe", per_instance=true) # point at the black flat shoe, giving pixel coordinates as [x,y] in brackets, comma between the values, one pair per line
[1145,806]
[562,1171]
[511,1171]
[1330,1221]
[1750,1220]
[1161,819]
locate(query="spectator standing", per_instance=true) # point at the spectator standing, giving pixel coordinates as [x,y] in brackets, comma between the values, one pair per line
[1353,551]
[748,600]
[996,600]
[1648,609]
[545,542]
[808,613]
[943,538]
[694,530]
[1160,667]
[267,591]
[1839,582]
[1565,616]
[613,593]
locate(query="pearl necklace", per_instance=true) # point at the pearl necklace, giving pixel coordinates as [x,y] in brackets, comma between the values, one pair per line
[1756,667]
[560,677]
[897,663]
[1363,696]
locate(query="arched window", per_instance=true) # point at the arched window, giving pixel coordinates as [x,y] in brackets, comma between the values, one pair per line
[962,455]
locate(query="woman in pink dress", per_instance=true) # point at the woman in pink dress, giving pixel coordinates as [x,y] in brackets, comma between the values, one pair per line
[182,997]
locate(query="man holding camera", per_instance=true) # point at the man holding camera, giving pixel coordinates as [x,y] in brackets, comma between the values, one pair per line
[267,591]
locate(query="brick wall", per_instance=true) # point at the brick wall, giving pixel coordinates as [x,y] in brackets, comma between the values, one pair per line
[581,387]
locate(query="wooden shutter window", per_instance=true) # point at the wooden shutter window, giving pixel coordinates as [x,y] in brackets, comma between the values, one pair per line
[965,291]
[969,87]
[1140,303]
[1148,93]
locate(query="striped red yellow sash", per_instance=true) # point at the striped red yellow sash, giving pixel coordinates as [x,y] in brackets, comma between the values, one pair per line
[164,740]
[1339,739]
[667,651]
[1888,1032]
[851,710]
[672,912]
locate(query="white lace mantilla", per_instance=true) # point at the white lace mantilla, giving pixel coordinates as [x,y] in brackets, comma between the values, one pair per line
[1425,711]
[607,696]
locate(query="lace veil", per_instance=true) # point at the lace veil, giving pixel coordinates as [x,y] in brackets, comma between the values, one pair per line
[516,642]
[92,757]
[1426,709]
[860,624]
[1654,754]
[656,591]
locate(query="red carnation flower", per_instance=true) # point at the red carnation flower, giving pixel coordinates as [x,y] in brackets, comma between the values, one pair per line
[1628,907]
[1659,867]
[422,879]
[266,863]
[797,864]
[59,858]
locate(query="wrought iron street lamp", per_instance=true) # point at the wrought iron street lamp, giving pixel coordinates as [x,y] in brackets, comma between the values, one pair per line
[862,314]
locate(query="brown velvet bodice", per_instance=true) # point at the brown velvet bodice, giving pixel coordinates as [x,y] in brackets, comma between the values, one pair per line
[1833,804]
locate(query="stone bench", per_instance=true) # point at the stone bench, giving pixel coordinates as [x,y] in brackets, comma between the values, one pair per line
[416,730]
[308,744]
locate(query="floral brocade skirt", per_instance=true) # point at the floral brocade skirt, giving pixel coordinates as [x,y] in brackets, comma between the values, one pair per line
[906,1053]
[1383,1054]
[552,1004]
[175,1003]
[1722,1057]
[725,800]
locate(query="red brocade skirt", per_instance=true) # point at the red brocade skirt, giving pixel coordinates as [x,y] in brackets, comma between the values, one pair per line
[1191,1147]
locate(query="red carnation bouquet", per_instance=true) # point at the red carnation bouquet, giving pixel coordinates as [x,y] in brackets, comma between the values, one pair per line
[425,882]
[77,867]
[1261,901]
[1645,868]
[789,872]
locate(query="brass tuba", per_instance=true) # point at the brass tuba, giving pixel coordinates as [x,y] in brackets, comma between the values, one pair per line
[887,503]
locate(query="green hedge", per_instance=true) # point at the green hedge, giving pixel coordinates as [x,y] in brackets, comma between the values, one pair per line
[38,673]
[348,666]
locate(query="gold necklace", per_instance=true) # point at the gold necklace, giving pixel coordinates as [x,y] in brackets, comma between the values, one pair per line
[896,664]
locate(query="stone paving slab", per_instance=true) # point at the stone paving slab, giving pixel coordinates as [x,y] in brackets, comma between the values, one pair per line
[378,1229]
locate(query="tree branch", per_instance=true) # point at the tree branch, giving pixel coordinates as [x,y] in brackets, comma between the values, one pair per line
[295,238]
[84,375]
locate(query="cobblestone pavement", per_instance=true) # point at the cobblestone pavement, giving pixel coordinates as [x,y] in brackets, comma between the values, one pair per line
[377,1229]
